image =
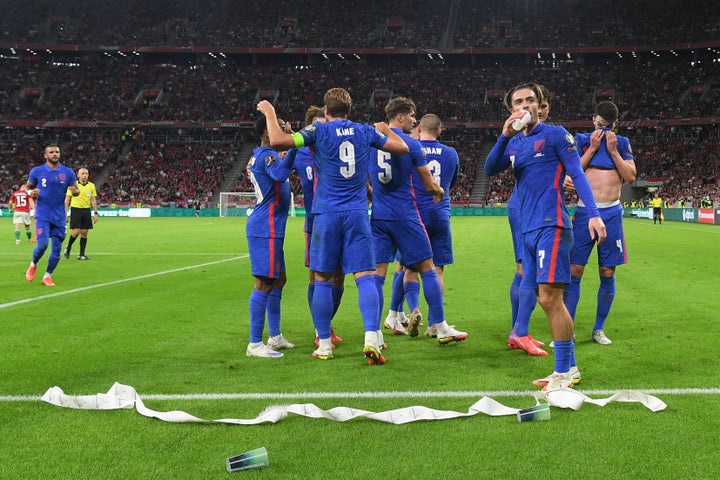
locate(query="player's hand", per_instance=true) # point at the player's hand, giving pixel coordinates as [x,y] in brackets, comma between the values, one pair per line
[569,185]
[35,192]
[508,131]
[382,127]
[438,194]
[611,140]
[597,229]
[596,139]
[265,107]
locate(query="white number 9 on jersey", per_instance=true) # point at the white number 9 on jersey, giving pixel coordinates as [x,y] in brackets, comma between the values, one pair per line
[346,152]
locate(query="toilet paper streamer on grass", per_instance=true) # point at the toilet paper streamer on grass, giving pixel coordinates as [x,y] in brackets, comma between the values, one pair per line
[126,397]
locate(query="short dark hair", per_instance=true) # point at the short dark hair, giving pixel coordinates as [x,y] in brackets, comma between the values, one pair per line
[260,126]
[399,105]
[537,90]
[608,111]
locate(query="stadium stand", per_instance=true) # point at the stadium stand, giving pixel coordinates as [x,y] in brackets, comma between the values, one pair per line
[157,99]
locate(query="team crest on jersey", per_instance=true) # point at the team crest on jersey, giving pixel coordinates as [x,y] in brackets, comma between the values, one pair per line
[571,142]
[539,145]
[270,159]
[61,177]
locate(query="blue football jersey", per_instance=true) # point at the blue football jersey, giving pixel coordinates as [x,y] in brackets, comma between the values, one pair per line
[444,165]
[53,185]
[540,161]
[272,192]
[342,151]
[602,158]
[393,196]
[304,165]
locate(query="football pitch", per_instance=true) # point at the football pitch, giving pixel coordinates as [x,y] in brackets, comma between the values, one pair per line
[162,306]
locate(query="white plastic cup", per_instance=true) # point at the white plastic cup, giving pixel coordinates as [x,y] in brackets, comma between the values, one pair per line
[520,123]
[253,459]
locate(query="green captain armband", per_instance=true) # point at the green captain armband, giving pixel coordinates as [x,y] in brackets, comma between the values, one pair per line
[299,140]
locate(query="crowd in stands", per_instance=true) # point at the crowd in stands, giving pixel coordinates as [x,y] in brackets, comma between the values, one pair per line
[369,24]
[157,173]
[107,90]
[98,87]
[688,166]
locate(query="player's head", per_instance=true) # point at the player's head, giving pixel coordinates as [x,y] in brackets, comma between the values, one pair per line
[606,114]
[401,112]
[261,127]
[83,175]
[544,108]
[338,103]
[52,154]
[430,124]
[314,114]
[520,96]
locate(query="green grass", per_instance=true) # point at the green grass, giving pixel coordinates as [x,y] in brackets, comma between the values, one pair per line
[185,331]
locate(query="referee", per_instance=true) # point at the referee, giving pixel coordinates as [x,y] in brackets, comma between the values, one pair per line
[657,204]
[82,217]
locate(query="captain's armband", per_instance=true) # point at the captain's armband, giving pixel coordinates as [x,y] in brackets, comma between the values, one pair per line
[298,139]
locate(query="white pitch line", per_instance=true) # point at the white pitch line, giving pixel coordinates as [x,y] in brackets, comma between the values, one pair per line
[117,282]
[380,395]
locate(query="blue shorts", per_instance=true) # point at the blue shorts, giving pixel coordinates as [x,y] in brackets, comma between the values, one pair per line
[46,229]
[405,236]
[546,258]
[437,225]
[267,258]
[612,252]
[342,240]
[514,219]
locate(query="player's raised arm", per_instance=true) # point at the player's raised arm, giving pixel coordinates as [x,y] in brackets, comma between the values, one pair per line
[278,138]
[394,144]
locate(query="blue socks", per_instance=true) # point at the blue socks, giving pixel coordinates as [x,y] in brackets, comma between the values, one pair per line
[572,295]
[310,293]
[398,292]
[605,297]
[367,301]
[514,298]
[433,297]
[412,294]
[526,304]
[563,355]
[379,284]
[322,308]
[54,258]
[337,294]
[273,311]
[258,305]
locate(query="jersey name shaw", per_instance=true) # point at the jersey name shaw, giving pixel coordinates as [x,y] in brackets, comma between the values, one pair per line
[432,150]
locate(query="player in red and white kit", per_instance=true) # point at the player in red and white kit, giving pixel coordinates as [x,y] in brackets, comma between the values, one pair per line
[21,204]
